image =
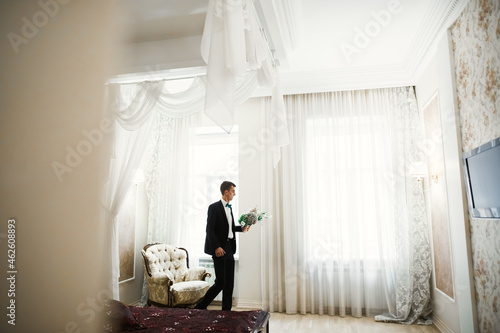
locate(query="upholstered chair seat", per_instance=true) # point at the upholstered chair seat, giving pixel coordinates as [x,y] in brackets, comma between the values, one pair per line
[170,280]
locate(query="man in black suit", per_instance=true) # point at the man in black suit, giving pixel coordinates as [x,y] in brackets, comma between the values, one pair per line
[220,243]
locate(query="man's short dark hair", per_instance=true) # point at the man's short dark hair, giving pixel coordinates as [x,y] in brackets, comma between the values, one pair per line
[226,186]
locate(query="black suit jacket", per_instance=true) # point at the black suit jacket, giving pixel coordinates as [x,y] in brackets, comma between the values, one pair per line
[218,228]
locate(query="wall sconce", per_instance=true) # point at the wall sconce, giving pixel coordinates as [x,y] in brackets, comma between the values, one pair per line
[434,178]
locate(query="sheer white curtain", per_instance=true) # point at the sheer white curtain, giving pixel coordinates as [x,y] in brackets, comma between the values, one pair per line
[167,174]
[346,209]
[233,46]
[126,157]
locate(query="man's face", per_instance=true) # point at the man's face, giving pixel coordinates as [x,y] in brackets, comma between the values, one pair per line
[230,194]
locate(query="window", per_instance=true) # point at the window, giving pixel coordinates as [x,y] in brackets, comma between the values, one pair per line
[341,191]
[215,159]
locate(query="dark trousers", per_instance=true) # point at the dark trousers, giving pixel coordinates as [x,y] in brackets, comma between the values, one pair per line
[224,280]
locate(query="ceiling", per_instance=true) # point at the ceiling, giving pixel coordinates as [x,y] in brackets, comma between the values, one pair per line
[320,45]
[149,20]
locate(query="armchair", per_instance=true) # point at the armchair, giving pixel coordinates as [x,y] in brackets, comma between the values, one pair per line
[170,280]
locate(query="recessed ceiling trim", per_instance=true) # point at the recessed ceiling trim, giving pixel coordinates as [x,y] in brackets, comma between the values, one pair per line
[439,18]
[286,11]
[278,19]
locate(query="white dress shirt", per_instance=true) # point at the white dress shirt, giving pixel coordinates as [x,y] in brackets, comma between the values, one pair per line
[229,219]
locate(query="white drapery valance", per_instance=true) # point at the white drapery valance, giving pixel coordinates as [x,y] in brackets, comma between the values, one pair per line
[132,104]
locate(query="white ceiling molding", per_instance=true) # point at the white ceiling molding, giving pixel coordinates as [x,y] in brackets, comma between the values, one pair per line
[289,21]
[440,17]
[280,23]
[293,83]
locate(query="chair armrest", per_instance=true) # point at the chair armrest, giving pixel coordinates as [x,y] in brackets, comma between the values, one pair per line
[160,279]
[197,273]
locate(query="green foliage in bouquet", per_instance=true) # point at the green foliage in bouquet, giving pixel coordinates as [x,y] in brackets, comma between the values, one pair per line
[251,217]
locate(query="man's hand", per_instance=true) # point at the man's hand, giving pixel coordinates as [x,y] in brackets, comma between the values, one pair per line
[219,252]
[245,229]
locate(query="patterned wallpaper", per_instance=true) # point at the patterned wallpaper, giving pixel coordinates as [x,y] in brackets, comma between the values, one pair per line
[476,46]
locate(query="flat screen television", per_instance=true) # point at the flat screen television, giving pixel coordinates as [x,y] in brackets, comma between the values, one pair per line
[482,180]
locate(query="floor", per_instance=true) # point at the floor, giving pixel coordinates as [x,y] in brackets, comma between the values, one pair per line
[284,323]
[281,322]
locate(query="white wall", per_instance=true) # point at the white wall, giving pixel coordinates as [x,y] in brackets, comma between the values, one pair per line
[52,90]
[456,315]
[130,291]
[248,117]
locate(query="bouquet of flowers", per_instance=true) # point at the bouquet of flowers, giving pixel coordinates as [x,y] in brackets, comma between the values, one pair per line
[251,217]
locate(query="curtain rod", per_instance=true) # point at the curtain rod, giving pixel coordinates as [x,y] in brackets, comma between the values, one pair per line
[153,75]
